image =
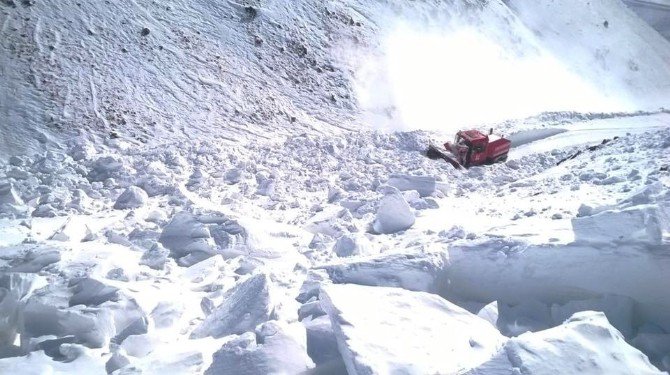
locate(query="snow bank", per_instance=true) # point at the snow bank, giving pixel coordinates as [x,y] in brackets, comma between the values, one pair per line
[247,305]
[390,330]
[585,343]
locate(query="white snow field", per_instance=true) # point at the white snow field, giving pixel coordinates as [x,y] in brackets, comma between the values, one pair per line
[220,187]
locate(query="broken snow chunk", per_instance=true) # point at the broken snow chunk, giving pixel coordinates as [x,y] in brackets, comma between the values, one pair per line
[132,197]
[424,185]
[165,314]
[393,215]
[30,258]
[420,272]
[349,245]
[276,348]
[248,304]
[585,343]
[91,292]
[445,340]
[637,224]
[156,257]
[115,362]
[185,235]
[312,308]
[321,341]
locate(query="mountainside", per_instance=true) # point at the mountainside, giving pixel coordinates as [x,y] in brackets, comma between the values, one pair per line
[148,72]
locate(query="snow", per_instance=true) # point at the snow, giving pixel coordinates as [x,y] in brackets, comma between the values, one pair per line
[414,333]
[585,343]
[220,187]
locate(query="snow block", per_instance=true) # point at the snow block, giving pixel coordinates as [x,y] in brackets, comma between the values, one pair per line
[617,309]
[389,331]
[321,341]
[132,197]
[424,185]
[636,224]
[247,305]
[585,344]
[274,349]
[417,272]
[91,292]
[393,215]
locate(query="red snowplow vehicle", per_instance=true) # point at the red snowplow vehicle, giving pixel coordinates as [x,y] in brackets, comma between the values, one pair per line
[472,147]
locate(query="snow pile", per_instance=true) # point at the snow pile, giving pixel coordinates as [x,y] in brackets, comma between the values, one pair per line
[585,343]
[389,330]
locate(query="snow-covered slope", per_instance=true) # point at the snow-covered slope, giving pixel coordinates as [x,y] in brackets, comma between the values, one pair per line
[150,72]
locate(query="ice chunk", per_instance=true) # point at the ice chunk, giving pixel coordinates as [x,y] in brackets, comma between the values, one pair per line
[585,343]
[248,305]
[274,349]
[418,272]
[617,309]
[424,185]
[132,197]
[389,330]
[393,215]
